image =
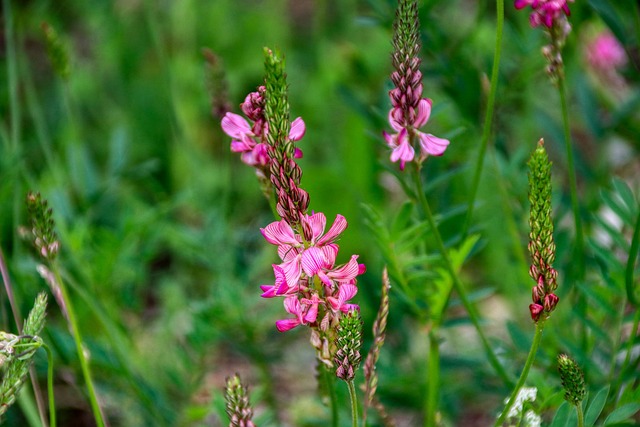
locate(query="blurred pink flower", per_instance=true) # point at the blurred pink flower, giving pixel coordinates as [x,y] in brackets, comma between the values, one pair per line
[605,53]
[544,11]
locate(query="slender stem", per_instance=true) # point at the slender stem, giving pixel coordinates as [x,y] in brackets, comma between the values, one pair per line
[578,258]
[433,380]
[457,284]
[52,403]
[84,365]
[631,264]
[580,415]
[354,403]
[328,379]
[488,118]
[525,372]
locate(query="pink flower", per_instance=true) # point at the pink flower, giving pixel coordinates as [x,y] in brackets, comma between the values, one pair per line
[606,54]
[345,293]
[249,144]
[291,306]
[400,141]
[320,262]
[544,11]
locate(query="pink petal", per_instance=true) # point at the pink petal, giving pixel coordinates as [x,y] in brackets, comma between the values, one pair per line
[330,252]
[347,272]
[279,233]
[241,146]
[286,324]
[404,151]
[349,307]
[292,271]
[391,139]
[292,306]
[317,222]
[268,291]
[347,292]
[313,260]
[395,119]
[424,111]
[519,4]
[297,153]
[235,125]
[297,129]
[432,145]
[338,226]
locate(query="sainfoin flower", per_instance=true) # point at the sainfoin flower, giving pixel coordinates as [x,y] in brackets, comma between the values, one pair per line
[308,278]
[545,11]
[410,111]
[249,139]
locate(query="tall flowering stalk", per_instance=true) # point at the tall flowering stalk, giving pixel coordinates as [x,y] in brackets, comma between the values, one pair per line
[552,16]
[410,111]
[542,250]
[316,291]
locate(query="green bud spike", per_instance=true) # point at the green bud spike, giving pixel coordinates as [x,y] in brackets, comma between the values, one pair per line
[276,108]
[239,408]
[42,230]
[347,358]
[572,380]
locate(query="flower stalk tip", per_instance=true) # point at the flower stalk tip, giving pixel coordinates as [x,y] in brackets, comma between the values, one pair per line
[349,340]
[238,408]
[410,111]
[572,380]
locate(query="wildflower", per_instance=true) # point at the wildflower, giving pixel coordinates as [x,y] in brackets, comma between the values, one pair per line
[545,11]
[525,394]
[606,56]
[541,245]
[410,111]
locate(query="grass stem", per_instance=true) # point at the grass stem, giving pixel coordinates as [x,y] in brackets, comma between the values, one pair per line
[433,379]
[354,403]
[488,118]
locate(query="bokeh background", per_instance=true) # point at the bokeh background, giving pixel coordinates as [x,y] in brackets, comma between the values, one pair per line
[159,222]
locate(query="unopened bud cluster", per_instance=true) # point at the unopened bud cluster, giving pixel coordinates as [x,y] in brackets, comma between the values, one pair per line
[347,358]
[572,380]
[239,408]
[541,246]
[42,232]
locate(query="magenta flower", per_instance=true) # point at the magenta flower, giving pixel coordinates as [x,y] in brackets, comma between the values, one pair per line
[292,306]
[320,262]
[544,11]
[339,302]
[606,56]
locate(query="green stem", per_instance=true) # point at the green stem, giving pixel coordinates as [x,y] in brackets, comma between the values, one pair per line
[525,372]
[52,403]
[333,399]
[631,264]
[84,365]
[457,284]
[580,415]
[433,380]
[578,258]
[354,403]
[488,118]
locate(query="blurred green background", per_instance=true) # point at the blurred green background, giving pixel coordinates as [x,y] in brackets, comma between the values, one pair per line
[159,222]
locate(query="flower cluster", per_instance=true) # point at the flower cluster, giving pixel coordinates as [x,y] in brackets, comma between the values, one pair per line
[410,111]
[250,138]
[607,56]
[545,12]
[315,290]
[541,245]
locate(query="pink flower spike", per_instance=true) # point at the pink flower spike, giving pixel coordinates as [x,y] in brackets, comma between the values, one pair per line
[298,129]
[279,233]
[432,145]
[424,111]
[236,126]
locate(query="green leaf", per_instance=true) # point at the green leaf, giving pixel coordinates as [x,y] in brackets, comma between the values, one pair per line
[562,415]
[622,413]
[625,193]
[595,406]
[403,219]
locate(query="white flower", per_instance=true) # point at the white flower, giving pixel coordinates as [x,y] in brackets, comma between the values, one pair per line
[526,394]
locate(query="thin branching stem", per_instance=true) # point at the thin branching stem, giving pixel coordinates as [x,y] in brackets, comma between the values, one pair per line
[525,372]
[488,118]
[457,284]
